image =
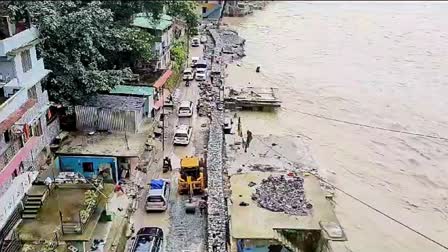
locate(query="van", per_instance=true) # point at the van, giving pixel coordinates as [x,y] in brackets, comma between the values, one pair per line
[158,195]
[185,109]
[188,74]
[201,74]
[182,134]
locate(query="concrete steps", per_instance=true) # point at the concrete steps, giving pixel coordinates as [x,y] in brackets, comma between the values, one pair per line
[285,242]
[33,202]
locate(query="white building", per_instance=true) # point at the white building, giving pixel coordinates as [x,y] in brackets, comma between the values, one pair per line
[162,30]
[26,124]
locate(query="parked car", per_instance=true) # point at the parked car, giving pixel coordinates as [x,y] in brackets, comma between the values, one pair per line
[195,42]
[182,134]
[201,74]
[158,195]
[203,39]
[227,127]
[201,64]
[185,109]
[148,239]
[194,60]
[188,74]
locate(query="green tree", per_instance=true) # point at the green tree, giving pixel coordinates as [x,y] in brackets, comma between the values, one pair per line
[85,48]
[89,46]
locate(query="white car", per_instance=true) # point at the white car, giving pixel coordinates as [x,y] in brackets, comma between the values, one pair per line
[201,74]
[185,109]
[158,195]
[188,74]
[194,60]
[203,39]
[182,135]
[195,42]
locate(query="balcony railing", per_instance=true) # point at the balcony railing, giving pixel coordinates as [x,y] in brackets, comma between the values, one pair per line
[9,153]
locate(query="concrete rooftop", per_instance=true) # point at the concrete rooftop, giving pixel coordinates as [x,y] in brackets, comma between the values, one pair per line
[254,222]
[69,202]
[105,144]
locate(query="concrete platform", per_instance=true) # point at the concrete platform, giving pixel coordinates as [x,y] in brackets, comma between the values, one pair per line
[254,222]
[104,144]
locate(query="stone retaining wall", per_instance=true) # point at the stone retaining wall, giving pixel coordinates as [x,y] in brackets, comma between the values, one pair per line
[217,212]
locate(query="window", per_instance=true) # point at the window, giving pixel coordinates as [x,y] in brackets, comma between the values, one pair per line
[32,93]
[6,136]
[52,114]
[26,60]
[87,167]
[204,10]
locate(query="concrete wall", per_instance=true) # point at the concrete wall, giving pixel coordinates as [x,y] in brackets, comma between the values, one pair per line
[13,196]
[13,104]
[18,40]
[217,208]
[164,58]
[75,164]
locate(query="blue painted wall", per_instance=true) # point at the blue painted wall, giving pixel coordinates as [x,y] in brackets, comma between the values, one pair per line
[75,164]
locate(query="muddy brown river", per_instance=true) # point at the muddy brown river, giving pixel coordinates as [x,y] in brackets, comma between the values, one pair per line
[377,63]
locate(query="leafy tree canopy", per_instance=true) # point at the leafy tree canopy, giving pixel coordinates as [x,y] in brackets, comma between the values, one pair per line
[89,46]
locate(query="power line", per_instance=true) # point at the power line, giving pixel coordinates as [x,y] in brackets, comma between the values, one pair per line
[363,202]
[369,126]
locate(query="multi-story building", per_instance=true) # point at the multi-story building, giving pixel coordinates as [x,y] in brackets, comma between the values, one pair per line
[27,125]
[162,30]
[211,10]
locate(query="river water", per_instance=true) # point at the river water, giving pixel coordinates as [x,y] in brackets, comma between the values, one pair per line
[377,63]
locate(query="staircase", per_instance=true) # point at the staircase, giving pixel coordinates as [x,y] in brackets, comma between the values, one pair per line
[285,242]
[34,200]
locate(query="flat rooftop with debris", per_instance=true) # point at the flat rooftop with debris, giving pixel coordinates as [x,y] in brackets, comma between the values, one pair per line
[118,144]
[254,222]
[68,201]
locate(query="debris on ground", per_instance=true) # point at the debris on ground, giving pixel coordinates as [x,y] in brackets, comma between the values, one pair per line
[242,203]
[251,184]
[281,194]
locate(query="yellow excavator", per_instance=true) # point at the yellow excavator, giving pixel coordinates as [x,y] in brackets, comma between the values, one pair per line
[191,180]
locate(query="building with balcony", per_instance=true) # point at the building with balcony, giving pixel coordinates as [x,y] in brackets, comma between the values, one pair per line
[27,124]
[211,10]
[162,30]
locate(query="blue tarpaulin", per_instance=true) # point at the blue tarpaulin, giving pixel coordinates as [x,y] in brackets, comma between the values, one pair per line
[157,183]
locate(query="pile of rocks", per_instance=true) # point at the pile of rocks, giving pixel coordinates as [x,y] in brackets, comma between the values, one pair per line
[281,194]
[217,212]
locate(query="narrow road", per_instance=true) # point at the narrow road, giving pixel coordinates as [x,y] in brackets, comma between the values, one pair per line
[181,231]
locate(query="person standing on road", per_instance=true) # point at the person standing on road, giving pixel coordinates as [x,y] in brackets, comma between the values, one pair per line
[248,140]
[202,206]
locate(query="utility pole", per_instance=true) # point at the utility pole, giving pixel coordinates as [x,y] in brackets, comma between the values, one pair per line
[163,122]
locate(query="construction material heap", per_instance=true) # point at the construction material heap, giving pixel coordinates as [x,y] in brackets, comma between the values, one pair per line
[281,194]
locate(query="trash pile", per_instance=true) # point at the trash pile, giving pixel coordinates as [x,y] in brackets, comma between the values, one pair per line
[280,194]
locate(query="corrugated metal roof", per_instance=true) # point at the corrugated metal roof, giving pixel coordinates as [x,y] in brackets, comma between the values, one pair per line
[133,90]
[116,102]
[145,20]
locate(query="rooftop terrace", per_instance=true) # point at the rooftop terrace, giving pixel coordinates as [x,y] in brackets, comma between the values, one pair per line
[254,222]
[69,202]
[105,144]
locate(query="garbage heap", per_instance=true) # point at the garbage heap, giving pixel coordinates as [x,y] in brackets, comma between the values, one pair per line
[281,194]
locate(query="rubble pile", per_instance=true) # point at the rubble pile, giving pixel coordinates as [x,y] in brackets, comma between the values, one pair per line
[280,194]
[217,212]
[217,227]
